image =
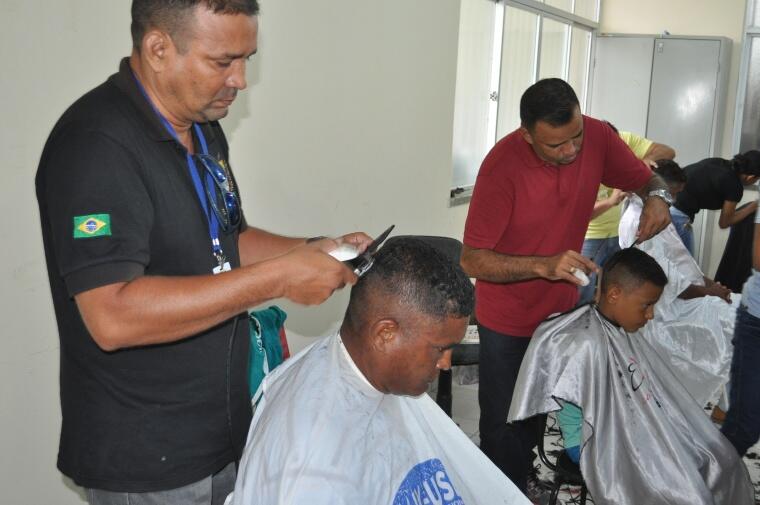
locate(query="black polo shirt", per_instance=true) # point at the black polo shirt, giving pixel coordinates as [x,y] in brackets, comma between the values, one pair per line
[117,202]
[709,183]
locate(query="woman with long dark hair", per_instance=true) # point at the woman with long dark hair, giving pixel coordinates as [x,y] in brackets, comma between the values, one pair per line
[715,183]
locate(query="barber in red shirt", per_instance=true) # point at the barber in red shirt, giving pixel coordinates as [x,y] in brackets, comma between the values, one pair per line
[529,212]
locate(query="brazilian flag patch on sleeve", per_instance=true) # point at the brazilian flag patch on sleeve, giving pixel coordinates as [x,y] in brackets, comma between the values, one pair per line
[94,225]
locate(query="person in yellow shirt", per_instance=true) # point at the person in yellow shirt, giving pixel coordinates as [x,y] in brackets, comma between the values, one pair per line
[601,239]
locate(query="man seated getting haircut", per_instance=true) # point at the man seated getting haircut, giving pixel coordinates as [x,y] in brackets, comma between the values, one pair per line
[694,320]
[348,421]
[642,438]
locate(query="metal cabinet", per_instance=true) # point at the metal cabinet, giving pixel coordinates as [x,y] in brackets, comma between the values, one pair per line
[669,89]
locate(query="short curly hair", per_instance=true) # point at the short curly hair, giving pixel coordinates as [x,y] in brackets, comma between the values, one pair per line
[550,100]
[632,267]
[419,277]
[173,16]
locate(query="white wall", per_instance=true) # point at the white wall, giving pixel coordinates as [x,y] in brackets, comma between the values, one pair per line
[346,125]
[50,53]
[689,17]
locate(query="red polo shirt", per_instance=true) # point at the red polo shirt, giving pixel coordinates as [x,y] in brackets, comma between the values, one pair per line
[524,206]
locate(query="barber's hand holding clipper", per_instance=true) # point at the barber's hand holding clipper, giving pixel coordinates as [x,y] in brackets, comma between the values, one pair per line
[313,274]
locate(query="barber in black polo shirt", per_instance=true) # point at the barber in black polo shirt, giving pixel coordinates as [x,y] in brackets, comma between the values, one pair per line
[715,183]
[152,264]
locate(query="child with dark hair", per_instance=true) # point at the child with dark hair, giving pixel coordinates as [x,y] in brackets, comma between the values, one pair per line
[641,437]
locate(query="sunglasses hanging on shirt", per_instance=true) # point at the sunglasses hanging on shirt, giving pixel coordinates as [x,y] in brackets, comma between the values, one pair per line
[221,195]
[213,186]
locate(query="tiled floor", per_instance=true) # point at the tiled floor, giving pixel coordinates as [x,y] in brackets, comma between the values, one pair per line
[465,412]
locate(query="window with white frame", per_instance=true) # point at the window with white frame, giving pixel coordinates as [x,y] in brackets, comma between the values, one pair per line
[504,47]
[747,117]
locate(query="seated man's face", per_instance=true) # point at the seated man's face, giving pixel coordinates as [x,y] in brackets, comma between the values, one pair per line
[635,307]
[419,349]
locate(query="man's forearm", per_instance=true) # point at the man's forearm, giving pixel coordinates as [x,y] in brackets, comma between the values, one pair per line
[155,309]
[602,206]
[491,266]
[159,309]
[659,152]
[258,245]
[693,291]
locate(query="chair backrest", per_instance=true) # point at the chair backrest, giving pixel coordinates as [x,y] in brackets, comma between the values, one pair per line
[450,247]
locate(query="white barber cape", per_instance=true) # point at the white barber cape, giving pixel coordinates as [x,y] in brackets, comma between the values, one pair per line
[321,434]
[645,440]
[694,335]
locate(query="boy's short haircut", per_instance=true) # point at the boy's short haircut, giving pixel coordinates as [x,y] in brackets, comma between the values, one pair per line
[630,268]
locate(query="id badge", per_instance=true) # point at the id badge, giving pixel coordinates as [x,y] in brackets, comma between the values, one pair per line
[222,268]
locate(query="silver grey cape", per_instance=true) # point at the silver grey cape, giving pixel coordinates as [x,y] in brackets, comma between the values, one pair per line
[645,440]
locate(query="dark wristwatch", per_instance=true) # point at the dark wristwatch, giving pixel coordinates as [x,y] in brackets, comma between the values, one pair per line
[662,193]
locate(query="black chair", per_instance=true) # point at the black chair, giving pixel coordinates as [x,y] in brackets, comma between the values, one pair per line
[462,354]
[565,471]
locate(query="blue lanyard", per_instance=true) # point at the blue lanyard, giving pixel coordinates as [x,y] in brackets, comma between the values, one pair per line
[213,222]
